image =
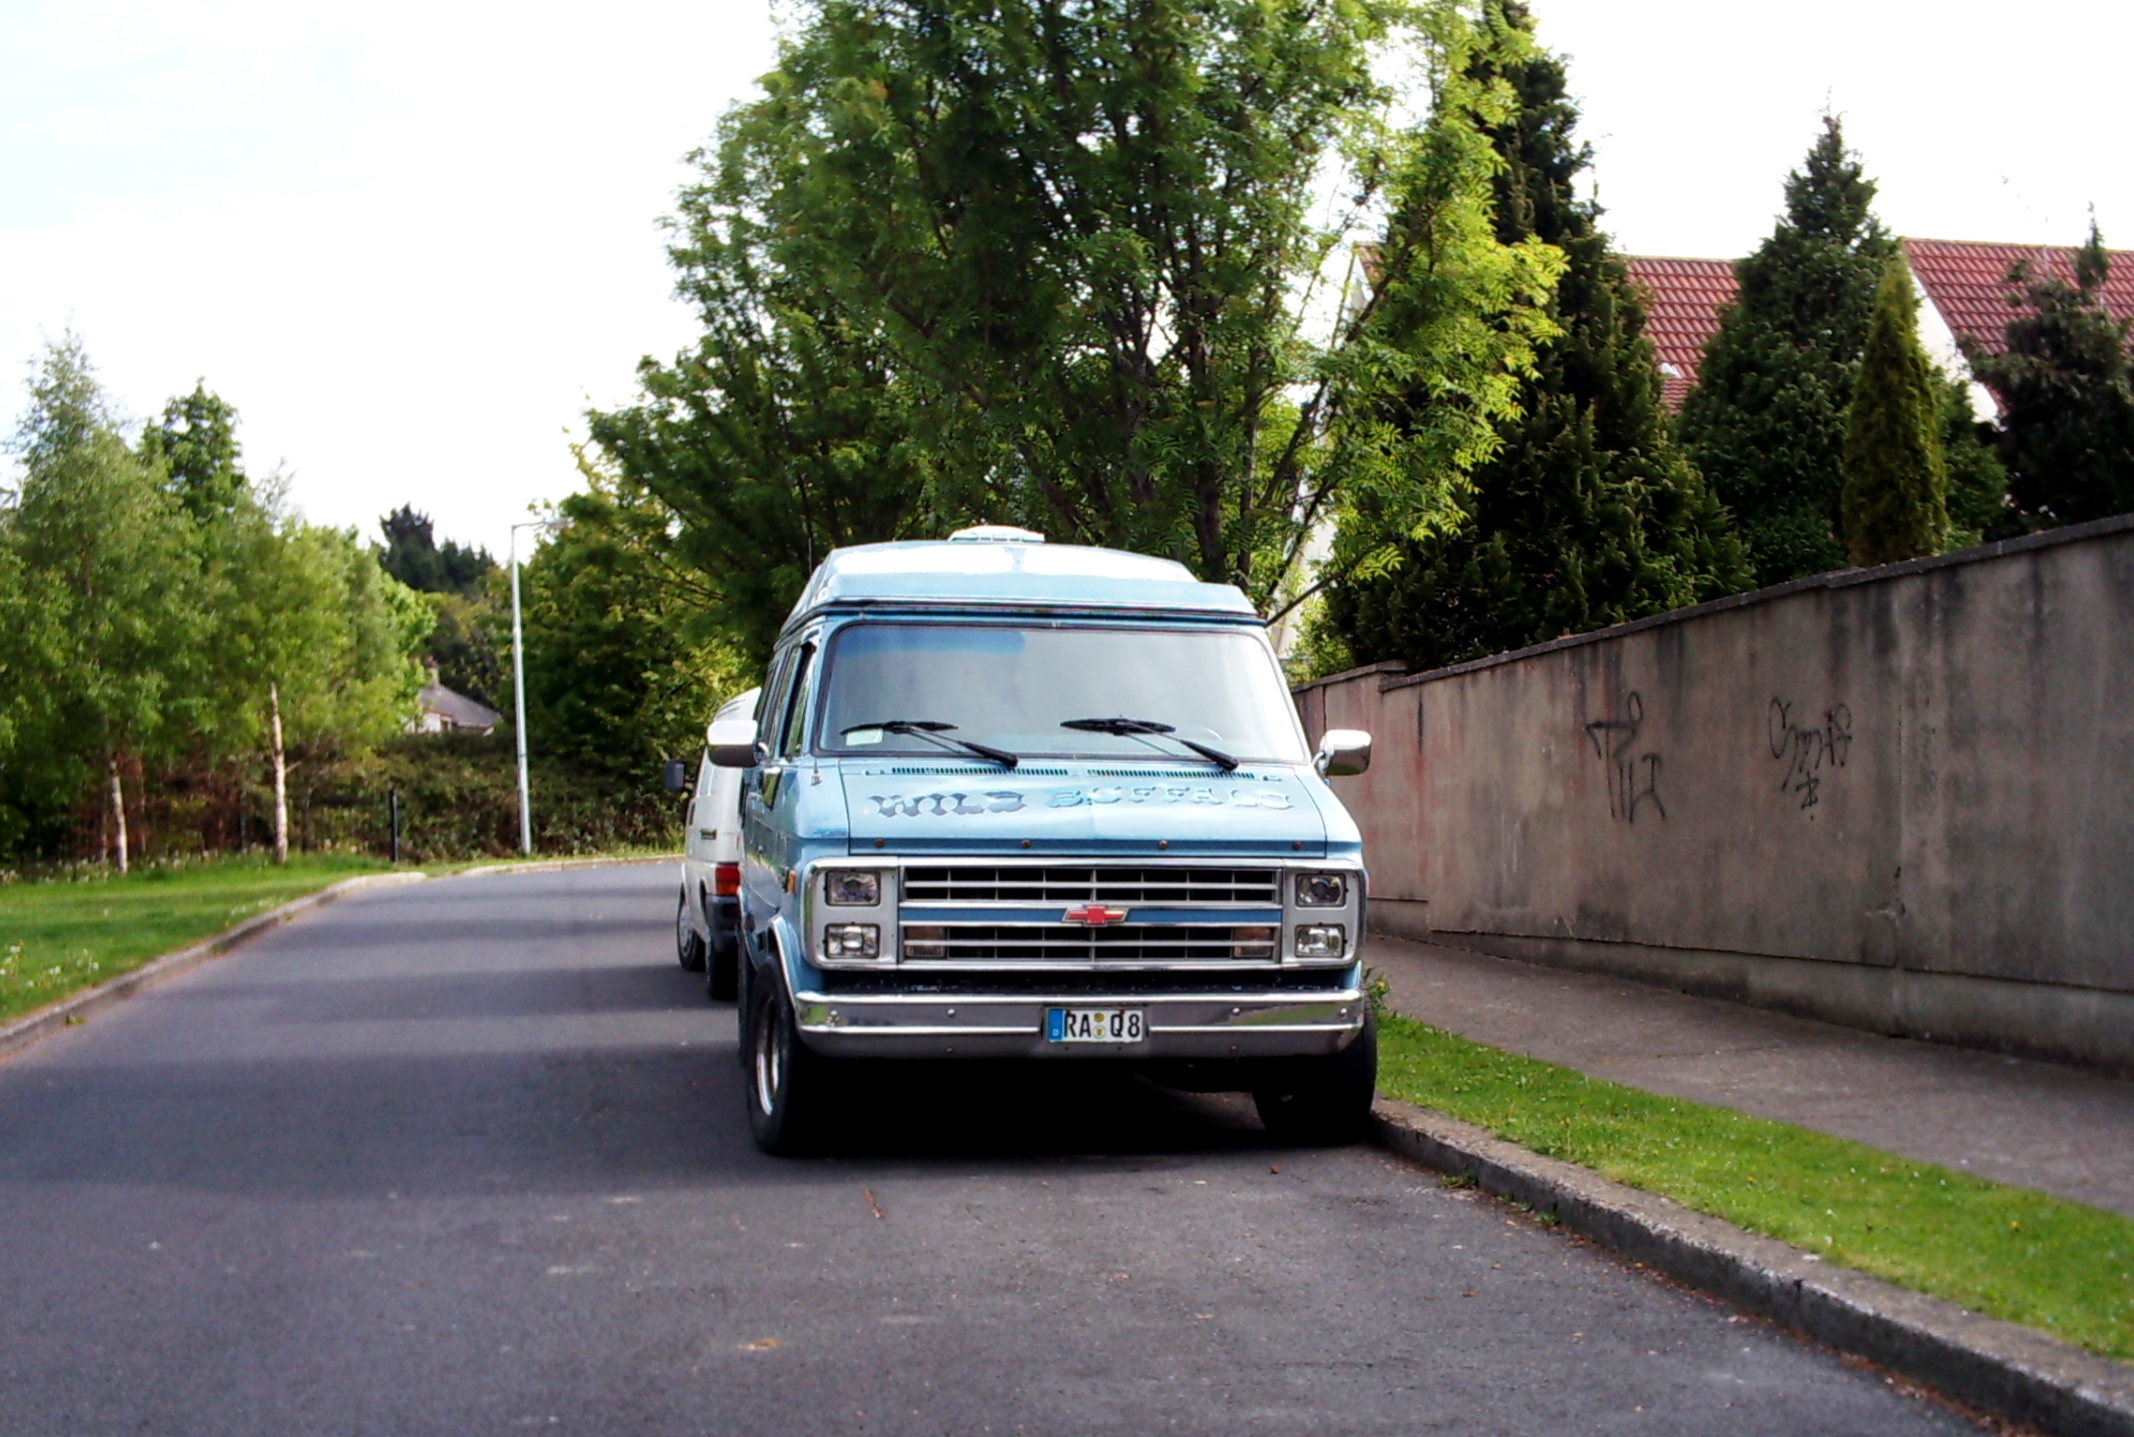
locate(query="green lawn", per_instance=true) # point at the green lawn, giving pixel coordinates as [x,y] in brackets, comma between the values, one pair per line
[2005,1251]
[61,935]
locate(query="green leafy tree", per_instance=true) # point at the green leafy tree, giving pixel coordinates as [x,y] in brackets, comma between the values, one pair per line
[313,645]
[1766,423]
[194,447]
[2067,397]
[1587,514]
[1081,242]
[623,667]
[464,589]
[1978,483]
[104,557]
[786,432]
[1895,500]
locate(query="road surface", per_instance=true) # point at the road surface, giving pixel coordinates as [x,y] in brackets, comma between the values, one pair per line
[469,1157]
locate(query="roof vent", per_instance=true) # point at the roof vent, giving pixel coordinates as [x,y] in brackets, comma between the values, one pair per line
[996,534]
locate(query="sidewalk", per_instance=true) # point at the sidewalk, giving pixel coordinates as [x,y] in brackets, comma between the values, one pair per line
[2031,1124]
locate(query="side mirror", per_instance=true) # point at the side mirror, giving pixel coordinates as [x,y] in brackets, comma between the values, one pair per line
[675,776]
[732,744]
[1342,752]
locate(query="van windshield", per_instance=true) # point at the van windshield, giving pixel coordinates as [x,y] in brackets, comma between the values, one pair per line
[900,688]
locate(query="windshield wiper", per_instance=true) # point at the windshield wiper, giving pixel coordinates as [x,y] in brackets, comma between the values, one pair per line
[933,730]
[1132,727]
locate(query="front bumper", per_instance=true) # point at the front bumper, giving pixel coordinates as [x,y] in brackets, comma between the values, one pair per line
[1196,1025]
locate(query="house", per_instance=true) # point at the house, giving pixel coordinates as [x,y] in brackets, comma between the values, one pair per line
[1965,300]
[440,710]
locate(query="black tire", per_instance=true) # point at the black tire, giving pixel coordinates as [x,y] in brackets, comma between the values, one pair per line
[1321,1102]
[788,1086]
[688,947]
[722,954]
[744,1008]
[722,975]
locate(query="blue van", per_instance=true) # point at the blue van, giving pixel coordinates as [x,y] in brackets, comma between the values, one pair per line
[1010,799]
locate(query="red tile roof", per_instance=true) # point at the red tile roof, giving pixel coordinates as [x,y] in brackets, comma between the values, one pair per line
[1683,298]
[1968,282]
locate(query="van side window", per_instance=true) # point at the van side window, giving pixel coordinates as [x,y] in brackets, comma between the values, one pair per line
[796,709]
[771,702]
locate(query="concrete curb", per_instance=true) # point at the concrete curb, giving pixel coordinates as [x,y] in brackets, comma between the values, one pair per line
[557,865]
[2009,1370]
[22,1032]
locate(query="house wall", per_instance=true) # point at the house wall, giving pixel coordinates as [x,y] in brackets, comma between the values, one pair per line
[1939,342]
[1899,798]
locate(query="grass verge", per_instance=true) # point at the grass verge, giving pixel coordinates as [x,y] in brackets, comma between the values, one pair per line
[2008,1252]
[62,935]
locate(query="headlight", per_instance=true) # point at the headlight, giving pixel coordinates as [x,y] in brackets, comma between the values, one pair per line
[852,887]
[1322,890]
[851,940]
[1321,940]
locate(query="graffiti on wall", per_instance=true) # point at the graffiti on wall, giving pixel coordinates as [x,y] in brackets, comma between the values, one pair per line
[1633,777]
[1809,751]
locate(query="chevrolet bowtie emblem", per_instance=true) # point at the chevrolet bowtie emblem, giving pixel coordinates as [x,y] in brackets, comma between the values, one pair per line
[1093,915]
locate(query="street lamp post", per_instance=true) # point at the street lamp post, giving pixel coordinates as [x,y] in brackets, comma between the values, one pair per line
[518,685]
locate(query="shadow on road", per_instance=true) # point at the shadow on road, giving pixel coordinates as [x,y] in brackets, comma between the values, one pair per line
[454,1109]
[546,992]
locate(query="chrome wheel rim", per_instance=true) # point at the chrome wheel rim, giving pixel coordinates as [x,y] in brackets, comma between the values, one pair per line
[770,1062]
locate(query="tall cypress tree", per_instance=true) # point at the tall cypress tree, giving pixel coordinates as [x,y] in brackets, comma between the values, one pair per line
[1588,515]
[2067,395]
[1767,420]
[1896,482]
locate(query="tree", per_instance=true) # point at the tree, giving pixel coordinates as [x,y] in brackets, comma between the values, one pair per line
[1978,484]
[1766,423]
[194,448]
[1077,243]
[313,643]
[105,560]
[2067,396]
[1895,500]
[462,586]
[787,432]
[623,667]
[1587,514]
[414,557]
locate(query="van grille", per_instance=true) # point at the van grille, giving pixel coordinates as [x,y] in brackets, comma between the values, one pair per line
[962,944]
[1147,886]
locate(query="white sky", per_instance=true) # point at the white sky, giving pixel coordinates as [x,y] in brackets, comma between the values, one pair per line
[411,241]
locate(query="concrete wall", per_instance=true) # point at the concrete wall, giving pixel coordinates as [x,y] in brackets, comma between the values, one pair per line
[1900,798]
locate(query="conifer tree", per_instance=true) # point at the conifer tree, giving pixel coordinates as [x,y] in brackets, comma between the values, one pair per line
[1767,421]
[1588,514]
[2067,395]
[1895,499]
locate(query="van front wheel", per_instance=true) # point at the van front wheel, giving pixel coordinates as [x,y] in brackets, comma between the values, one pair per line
[1322,1101]
[788,1086]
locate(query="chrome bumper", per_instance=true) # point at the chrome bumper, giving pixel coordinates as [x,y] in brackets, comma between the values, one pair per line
[1198,1025]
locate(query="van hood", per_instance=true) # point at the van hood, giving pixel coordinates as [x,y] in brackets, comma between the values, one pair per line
[921,808]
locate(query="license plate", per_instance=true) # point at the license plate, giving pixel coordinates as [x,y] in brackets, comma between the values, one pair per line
[1095,1025]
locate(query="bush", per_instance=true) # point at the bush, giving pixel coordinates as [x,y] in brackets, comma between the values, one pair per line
[459,798]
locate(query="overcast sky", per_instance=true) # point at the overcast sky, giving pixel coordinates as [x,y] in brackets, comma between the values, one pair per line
[411,241]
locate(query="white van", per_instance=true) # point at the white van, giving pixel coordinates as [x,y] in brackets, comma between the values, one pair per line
[707,922]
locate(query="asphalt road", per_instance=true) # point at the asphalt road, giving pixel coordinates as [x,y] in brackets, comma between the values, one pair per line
[470,1157]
